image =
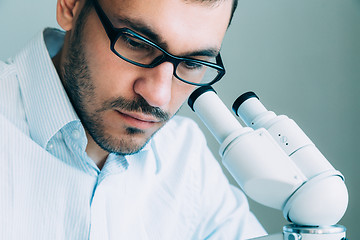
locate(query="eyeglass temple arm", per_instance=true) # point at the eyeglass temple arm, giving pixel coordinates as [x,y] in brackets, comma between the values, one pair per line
[109,28]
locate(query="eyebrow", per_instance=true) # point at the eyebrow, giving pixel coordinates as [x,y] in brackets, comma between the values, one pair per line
[145,30]
[212,52]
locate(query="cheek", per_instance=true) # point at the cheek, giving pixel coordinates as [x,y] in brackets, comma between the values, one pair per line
[111,75]
[114,80]
[180,93]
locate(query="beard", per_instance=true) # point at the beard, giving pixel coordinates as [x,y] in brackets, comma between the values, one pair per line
[80,88]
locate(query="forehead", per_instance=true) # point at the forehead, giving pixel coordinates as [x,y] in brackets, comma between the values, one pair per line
[181,25]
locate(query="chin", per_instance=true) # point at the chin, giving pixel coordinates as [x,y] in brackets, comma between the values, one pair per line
[130,143]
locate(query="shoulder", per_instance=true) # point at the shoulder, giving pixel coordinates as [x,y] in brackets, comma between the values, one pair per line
[180,140]
[11,105]
[180,146]
[181,126]
[8,81]
[6,69]
[182,132]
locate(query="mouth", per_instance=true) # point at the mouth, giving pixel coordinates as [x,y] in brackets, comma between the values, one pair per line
[138,121]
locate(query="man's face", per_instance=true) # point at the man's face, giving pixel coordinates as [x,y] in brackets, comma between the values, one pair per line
[122,105]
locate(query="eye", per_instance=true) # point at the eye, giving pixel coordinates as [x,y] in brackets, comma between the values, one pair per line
[134,43]
[192,65]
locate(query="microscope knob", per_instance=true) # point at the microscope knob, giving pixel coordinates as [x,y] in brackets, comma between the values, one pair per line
[294,236]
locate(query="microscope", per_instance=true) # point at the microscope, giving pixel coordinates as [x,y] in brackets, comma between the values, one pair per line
[276,165]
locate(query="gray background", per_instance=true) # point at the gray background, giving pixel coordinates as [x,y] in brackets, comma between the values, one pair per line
[301,57]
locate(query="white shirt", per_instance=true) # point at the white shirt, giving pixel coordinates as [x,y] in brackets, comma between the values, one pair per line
[51,189]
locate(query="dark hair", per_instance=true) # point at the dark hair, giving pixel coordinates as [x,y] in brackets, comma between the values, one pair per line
[235,3]
[88,5]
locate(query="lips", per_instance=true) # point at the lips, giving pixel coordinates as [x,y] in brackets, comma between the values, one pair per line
[136,120]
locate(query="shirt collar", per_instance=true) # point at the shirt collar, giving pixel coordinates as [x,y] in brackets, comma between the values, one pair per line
[41,87]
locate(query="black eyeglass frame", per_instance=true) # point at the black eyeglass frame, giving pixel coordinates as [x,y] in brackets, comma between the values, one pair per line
[114,33]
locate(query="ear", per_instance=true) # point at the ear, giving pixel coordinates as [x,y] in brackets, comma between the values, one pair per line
[66,11]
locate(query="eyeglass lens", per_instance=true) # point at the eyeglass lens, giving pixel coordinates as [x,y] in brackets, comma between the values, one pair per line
[136,50]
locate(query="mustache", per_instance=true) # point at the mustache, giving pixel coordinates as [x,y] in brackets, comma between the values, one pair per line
[139,105]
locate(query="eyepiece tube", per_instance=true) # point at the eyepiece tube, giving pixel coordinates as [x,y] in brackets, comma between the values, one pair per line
[212,111]
[248,108]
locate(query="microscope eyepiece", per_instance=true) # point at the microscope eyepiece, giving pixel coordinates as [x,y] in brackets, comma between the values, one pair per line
[197,93]
[205,102]
[241,99]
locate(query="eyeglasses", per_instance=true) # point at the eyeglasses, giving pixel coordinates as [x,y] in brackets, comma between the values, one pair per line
[140,51]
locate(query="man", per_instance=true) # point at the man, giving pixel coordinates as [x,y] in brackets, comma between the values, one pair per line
[89,145]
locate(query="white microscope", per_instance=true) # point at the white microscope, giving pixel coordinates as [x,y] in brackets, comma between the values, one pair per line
[277,165]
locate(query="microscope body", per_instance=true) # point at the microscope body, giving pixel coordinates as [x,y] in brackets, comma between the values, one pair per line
[277,165]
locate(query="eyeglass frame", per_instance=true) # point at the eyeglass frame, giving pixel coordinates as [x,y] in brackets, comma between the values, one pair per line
[114,34]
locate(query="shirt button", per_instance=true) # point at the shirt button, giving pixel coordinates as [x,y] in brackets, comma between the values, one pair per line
[75,134]
[50,146]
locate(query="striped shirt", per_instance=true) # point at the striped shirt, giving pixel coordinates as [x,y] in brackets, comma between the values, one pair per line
[51,189]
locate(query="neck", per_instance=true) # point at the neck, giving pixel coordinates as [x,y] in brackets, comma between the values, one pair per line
[97,154]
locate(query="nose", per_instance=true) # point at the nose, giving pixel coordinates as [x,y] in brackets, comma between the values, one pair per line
[155,84]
